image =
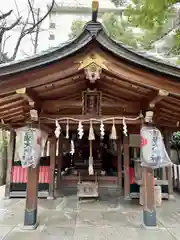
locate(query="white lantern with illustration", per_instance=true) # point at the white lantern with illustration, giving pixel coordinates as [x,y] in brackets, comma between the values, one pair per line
[153,151]
[31,143]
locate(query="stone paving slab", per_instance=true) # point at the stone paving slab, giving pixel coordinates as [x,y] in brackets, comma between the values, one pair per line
[111,217]
[4,230]
[54,218]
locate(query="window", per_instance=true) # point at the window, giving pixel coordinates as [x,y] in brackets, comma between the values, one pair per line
[51,36]
[52,25]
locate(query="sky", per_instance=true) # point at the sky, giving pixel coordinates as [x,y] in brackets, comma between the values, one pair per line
[9,4]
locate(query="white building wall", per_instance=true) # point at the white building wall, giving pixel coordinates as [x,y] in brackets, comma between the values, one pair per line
[62,28]
[63,20]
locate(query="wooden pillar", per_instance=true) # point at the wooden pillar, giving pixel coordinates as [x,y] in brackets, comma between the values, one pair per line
[11,151]
[169,169]
[149,210]
[52,168]
[60,158]
[126,168]
[45,149]
[30,217]
[163,173]
[119,162]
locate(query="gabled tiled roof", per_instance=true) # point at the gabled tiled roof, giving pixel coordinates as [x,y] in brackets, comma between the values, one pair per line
[92,32]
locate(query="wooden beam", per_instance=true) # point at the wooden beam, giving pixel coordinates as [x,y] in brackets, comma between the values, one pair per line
[30,216]
[126,168]
[169,106]
[161,95]
[58,103]
[30,96]
[66,89]
[125,85]
[169,112]
[38,76]
[52,168]
[166,117]
[136,75]
[11,115]
[59,83]
[174,100]
[17,119]
[11,105]
[61,104]
[11,110]
[119,90]
[11,151]
[8,99]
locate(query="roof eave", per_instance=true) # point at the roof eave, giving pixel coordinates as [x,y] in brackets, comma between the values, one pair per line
[93,30]
[47,57]
[137,58]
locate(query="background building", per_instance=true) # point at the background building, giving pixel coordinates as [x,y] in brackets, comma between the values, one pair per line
[65,12]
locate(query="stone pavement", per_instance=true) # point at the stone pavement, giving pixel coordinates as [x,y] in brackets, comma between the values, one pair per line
[109,218]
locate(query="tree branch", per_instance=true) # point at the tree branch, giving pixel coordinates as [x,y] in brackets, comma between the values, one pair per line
[4,43]
[32,12]
[25,29]
[18,44]
[41,20]
[168,32]
[17,9]
[5,15]
[12,25]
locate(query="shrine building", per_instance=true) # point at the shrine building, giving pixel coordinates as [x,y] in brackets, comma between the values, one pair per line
[90,96]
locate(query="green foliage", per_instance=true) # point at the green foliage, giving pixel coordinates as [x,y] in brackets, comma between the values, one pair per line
[176,49]
[175,140]
[118,3]
[3,140]
[153,17]
[114,26]
[76,28]
[149,14]
[117,29]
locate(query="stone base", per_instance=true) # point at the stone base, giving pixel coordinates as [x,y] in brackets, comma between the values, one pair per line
[30,218]
[171,197]
[127,198]
[148,227]
[50,198]
[6,198]
[32,227]
[149,218]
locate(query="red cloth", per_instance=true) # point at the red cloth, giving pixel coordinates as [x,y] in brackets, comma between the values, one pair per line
[19,174]
[131,174]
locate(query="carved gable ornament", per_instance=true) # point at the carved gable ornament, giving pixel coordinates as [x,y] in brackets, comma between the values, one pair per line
[93,65]
[93,72]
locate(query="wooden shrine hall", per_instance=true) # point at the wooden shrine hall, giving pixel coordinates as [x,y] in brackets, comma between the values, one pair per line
[96,93]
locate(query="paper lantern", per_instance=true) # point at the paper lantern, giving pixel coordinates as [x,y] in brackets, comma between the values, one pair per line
[153,152]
